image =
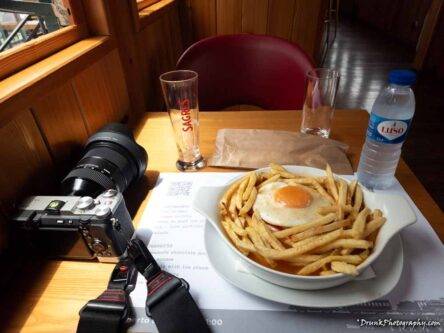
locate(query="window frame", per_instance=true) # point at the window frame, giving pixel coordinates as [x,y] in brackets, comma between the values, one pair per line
[141,4]
[21,56]
[145,11]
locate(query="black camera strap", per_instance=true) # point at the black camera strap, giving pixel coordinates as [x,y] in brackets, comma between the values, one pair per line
[111,311]
[168,302]
[171,306]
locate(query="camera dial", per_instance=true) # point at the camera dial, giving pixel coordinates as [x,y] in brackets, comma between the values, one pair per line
[85,203]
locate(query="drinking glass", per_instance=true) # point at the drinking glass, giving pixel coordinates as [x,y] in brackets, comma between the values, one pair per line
[320,95]
[180,93]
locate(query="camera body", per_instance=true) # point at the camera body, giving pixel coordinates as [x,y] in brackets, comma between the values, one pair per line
[78,227]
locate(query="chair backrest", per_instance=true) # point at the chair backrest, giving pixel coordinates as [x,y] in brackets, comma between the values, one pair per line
[260,70]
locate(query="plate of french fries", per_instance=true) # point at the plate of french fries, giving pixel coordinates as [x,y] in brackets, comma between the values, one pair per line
[301,227]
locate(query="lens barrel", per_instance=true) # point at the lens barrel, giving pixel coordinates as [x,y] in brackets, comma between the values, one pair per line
[112,160]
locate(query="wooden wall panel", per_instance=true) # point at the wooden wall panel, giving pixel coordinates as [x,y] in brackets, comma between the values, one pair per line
[159,45]
[300,21]
[254,16]
[24,156]
[280,18]
[306,24]
[25,162]
[101,92]
[24,166]
[228,17]
[203,17]
[60,119]
[176,36]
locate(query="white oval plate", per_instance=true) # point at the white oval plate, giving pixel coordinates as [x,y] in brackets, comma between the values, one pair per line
[388,269]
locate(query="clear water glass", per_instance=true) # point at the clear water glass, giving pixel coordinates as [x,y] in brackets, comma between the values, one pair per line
[320,94]
[181,98]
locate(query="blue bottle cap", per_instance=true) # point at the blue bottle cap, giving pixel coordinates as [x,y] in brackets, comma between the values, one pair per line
[403,77]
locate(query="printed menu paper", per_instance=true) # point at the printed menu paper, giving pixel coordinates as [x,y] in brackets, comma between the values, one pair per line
[177,243]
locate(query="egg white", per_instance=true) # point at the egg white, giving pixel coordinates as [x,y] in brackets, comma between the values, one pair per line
[278,214]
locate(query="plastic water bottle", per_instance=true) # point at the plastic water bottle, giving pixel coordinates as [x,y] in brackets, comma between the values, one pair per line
[389,123]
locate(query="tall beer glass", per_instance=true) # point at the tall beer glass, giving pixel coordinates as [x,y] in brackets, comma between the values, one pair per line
[180,93]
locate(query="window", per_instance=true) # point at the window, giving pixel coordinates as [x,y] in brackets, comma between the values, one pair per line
[33,29]
[22,21]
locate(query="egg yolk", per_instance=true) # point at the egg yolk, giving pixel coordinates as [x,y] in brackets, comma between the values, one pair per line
[293,197]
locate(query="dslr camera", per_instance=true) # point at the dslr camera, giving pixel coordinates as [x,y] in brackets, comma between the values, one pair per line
[89,220]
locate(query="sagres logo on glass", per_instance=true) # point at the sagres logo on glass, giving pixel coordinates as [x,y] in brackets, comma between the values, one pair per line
[185,112]
[180,93]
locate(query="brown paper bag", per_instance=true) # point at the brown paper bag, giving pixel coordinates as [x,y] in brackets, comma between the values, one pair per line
[254,148]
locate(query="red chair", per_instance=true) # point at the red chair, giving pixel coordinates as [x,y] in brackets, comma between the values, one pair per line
[259,70]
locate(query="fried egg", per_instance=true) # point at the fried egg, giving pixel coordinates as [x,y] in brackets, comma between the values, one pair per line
[286,205]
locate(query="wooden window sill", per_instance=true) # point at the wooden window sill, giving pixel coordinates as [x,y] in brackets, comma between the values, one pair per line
[36,80]
[141,4]
[19,57]
[148,14]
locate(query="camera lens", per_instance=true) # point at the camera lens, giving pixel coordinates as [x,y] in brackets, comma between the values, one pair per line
[112,160]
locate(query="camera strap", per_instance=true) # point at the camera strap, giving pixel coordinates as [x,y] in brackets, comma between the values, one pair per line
[169,301]
[111,311]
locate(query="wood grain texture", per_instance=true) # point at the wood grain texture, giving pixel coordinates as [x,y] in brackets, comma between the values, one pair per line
[24,166]
[60,119]
[25,160]
[306,24]
[101,92]
[159,46]
[124,21]
[19,90]
[255,16]
[15,59]
[228,17]
[141,4]
[151,13]
[203,17]
[96,17]
[280,18]
[61,288]
[300,21]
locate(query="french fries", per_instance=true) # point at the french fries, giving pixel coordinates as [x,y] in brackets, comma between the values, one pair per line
[301,227]
[339,237]
[345,244]
[343,267]
[320,230]
[301,249]
[313,267]
[331,186]
[359,224]
[269,180]
[240,192]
